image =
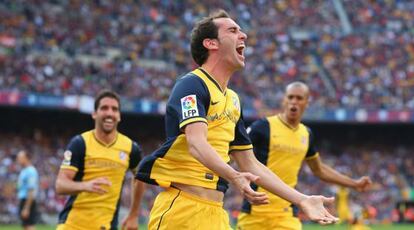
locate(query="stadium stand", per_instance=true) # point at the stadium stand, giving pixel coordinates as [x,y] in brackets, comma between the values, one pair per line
[138,48]
[365,153]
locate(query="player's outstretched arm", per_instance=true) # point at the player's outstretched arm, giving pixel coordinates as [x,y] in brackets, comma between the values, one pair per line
[312,206]
[65,185]
[200,149]
[330,175]
[130,222]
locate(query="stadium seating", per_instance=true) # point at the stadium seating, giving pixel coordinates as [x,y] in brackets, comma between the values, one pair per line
[140,48]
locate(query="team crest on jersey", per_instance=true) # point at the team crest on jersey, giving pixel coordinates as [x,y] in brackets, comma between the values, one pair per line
[236,102]
[122,156]
[189,106]
[304,140]
[67,157]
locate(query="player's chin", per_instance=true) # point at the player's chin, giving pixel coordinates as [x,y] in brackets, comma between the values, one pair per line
[240,64]
[293,115]
[109,128]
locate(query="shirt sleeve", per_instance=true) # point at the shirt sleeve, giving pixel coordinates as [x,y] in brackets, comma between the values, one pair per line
[74,155]
[241,138]
[189,100]
[259,133]
[312,152]
[135,156]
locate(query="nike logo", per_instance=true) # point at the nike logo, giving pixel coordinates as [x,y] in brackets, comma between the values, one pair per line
[214,102]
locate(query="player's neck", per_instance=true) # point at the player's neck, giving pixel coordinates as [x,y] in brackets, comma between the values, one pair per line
[293,123]
[105,138]
[219,73]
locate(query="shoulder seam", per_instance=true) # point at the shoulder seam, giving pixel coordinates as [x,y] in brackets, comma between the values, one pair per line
[193,76]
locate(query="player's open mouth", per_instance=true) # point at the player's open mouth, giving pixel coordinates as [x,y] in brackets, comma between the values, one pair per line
[108,121]
[240,49]
[293,109]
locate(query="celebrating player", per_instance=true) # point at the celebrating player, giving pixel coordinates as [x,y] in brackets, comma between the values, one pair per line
[93,171]
[204,126]
[281,143]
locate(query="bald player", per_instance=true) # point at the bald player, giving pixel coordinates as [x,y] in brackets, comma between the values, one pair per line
[282,143]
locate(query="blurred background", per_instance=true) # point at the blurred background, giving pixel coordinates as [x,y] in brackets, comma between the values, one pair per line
[357,57]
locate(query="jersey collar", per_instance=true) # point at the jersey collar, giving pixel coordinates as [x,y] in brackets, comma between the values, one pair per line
[103,144]
[212,79]
[287,124]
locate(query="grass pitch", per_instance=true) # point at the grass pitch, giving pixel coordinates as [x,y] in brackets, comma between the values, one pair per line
[305,227]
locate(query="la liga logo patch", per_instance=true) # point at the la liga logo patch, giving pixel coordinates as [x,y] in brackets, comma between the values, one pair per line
[189,106]
[67,157]
[122,155]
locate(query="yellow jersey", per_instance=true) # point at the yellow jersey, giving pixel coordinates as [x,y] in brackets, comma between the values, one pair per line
[342,204]
[282,149]
[91,159]
[196,97]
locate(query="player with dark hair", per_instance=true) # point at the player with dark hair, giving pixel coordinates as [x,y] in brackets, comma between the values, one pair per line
[204,126]
[93,171]
[282,143]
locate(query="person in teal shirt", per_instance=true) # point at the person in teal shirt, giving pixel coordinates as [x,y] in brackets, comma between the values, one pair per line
[27,190]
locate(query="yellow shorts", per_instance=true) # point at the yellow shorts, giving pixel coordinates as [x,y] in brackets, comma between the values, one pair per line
[267,221]
[174,209]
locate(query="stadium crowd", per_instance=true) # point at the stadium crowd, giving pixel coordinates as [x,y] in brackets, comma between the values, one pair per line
[139,48]
[390,168]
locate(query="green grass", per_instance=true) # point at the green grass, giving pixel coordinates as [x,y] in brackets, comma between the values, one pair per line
[372,227]
[305,227]
[18,227]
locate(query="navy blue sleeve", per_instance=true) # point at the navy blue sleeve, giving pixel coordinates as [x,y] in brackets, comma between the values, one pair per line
[135,156]
[259,133]
[241,138]
[74,155]
[189,100]
[311,149]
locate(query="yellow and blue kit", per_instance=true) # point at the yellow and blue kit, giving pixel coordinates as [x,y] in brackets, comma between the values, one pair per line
[91,159]
[196,97]
[282,149]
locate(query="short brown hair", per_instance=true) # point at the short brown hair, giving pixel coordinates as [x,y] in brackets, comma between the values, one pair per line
[106,93]
[28,154]
[203,29]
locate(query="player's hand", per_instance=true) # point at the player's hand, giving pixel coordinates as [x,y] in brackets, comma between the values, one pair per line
[130,222]
[25,213]
[363,184]
[242,182]
[313,207]
[97,185]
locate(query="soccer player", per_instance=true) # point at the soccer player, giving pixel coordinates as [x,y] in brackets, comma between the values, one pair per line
[93,170]
[204,126]
[282,142]
[342,205]
[27,190]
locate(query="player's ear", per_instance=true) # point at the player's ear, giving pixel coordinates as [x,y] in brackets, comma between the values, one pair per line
[94,115]
[211,43]
[308,98]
